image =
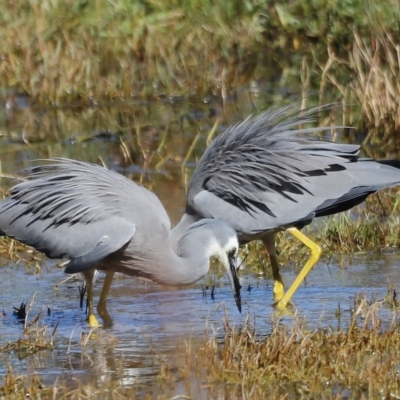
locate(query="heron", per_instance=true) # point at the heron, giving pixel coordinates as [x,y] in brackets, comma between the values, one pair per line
[269,173]
[101,220]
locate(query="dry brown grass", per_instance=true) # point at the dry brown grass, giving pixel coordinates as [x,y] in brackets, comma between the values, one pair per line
[288,362]
[368,74]
[292,362]
[35,333]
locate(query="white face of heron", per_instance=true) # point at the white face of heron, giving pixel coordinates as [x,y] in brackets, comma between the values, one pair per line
[226,250]
[230,249]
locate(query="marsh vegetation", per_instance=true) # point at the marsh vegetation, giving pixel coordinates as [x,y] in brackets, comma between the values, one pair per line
[143,87]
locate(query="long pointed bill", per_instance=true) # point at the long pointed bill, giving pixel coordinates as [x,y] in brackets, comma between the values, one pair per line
[233,278]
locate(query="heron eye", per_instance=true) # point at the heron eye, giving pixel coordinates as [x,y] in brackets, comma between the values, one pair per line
[232,252]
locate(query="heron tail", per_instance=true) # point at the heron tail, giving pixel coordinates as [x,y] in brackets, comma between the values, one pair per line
[392,163]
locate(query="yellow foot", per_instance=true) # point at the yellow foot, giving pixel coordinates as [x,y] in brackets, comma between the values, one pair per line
[279,290]
[281,304]
[284,309]
[92,321]
[104,315]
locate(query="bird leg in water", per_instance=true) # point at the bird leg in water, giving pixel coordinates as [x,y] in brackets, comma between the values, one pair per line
[88,274]
[102,304]
[279,288]
[314,257]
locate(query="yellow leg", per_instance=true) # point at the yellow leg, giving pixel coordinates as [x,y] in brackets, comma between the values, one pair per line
[92,321]
[102,304]
[279,288]
[314,257]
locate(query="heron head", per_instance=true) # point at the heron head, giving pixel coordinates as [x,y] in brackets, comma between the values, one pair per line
[214,238]
[225,247]
[228,258]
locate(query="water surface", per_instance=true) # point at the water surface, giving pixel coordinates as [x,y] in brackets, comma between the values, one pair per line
[154,324]
[157,144]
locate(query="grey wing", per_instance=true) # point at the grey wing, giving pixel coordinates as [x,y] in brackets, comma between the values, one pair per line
[72,210]
[262,174]
[101,248]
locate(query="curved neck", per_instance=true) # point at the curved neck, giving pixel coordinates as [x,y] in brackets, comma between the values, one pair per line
[185,269]
[165,263]
[176,234]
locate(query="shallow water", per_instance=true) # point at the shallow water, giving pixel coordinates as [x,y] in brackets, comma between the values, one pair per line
[153,325]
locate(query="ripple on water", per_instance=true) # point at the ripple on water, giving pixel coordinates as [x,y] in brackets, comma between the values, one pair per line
[153,324]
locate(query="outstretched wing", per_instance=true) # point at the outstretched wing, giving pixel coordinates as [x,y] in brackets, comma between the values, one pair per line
[266,172]
[74,210]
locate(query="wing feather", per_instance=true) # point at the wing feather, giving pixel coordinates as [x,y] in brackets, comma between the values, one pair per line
[266,172]
[75,210]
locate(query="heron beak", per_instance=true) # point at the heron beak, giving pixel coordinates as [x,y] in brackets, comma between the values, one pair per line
[236,286]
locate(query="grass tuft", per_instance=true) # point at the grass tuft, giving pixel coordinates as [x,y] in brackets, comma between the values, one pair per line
[358,362]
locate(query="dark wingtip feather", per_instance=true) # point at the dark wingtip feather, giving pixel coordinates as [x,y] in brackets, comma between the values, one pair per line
[392,163]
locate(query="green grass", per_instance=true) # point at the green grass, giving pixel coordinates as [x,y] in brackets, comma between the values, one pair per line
[59,51]
[85,52]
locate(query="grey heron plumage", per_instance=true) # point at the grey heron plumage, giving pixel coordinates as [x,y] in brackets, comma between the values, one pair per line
[269,173]
[99,219]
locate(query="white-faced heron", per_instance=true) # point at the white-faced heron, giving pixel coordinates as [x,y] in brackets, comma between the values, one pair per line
[268,174]
[99,219]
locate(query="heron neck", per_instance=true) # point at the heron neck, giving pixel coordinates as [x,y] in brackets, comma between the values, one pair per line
[175,235]
[184,263]
[187,268]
